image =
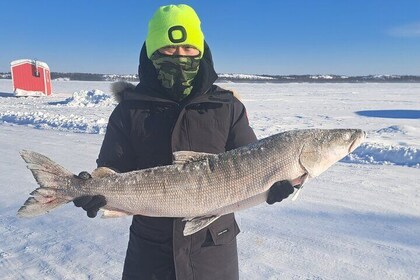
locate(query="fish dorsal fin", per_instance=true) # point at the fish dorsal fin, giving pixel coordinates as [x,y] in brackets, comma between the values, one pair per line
[183,157]
[102,172]
[196,224]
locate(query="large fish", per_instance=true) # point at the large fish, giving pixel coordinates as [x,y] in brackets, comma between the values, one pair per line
[199,187]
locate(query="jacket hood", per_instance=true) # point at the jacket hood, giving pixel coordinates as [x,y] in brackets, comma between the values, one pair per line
[121,89]
[150,85]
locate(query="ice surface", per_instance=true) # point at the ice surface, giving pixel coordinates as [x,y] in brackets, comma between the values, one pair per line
[358,220]
[244,77]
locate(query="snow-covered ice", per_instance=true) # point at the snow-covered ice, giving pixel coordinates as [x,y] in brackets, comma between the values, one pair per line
[358,220]
[244,77]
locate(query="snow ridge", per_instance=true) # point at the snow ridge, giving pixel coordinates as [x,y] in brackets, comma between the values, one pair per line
[89,98]
[41,120]
[374,153]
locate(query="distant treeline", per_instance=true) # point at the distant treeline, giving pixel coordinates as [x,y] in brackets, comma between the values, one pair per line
[92,77]
[324,79]
[77,76]
[83,76]
[246,78]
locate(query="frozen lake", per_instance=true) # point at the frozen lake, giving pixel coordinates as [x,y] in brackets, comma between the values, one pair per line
[358,220]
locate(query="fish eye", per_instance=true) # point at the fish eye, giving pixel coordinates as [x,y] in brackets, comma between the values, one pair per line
[346,136]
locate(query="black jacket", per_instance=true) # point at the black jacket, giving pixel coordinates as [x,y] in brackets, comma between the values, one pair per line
[143,131]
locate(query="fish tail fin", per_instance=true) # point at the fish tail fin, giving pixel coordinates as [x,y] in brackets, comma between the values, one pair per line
[50,177]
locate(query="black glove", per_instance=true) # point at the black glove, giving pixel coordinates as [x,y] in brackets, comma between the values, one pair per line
[84,175]
[279,191]
[89,203]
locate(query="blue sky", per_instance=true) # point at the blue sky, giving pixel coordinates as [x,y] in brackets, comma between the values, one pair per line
[356,37]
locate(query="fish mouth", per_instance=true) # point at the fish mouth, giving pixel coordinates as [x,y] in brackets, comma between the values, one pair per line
[299,181]
[299,187]
[356,143]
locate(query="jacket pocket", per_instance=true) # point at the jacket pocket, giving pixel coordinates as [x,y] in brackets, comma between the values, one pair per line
[224,230]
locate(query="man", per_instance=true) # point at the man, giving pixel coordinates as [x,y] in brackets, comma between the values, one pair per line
[175,107]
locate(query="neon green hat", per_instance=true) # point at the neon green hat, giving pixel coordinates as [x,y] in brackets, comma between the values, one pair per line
[174,25]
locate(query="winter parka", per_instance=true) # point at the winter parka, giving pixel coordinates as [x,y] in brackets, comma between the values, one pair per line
[143,131]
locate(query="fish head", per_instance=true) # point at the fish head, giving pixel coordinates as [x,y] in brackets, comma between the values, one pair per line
[322,148]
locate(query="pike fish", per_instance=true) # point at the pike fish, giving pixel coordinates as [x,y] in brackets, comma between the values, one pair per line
[198,187]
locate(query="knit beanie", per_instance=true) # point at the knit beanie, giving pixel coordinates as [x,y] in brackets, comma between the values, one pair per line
[174,25]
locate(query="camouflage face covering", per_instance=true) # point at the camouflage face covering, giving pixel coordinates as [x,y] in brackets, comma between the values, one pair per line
[176,73]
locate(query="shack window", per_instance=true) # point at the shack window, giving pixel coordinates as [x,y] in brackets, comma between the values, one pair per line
[35,71]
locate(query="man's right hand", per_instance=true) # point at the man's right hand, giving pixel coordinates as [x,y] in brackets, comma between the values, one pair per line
[89,203]
[279,191]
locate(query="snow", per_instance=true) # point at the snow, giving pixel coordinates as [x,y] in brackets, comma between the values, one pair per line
[244,77]
[90,98]
[62,79]
[22,92]
[327,77]
[358,220]
[381,154]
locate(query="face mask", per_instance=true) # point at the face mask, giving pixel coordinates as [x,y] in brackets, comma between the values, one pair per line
[176,73]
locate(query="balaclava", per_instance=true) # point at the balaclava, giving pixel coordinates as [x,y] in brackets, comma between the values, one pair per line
[175,25]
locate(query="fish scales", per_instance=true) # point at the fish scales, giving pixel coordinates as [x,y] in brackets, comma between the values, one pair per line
[235,175]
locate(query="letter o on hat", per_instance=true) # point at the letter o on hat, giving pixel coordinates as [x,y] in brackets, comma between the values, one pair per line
[177,34]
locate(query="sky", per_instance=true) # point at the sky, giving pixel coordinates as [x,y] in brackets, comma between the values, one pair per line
[359,37]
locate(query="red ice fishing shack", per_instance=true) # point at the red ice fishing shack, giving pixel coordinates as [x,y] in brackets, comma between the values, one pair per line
[30,77]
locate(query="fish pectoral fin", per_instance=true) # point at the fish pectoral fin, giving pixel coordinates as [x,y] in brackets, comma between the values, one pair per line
[196,224]
[102,172]
[183,157]
[299,187]
[114,214]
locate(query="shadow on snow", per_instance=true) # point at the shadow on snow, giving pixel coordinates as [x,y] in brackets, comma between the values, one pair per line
[391,114]
[7,94]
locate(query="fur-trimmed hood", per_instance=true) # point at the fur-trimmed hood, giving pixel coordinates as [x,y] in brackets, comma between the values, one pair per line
[121,88]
